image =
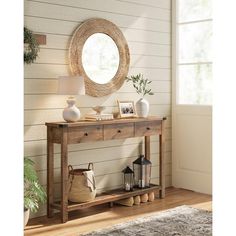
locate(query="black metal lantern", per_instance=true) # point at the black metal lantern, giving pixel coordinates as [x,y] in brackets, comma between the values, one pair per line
[142,172]
[128,179]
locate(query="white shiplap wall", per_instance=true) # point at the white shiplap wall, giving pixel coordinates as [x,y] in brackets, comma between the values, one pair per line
[146,26]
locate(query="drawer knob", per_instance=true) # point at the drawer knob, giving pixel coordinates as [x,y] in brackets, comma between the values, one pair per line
[148,128]
[118,131]
[85,134]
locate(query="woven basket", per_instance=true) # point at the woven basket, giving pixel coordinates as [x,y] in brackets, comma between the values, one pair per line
[81,184]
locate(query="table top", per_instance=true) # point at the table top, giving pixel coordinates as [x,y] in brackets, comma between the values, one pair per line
[103,122]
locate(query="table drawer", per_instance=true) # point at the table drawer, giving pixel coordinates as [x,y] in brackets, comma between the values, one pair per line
[85,134]
[147,128]
[118,131]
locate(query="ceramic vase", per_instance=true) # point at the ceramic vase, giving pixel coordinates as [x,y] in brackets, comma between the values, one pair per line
[71,113]
[142,107]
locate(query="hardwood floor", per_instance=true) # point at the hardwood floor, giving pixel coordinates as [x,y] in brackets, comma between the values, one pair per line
[103,216]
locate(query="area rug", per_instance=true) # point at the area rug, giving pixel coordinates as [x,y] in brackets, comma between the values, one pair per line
[179,221]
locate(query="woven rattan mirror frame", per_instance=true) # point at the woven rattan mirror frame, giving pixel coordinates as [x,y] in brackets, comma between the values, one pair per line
[81,34]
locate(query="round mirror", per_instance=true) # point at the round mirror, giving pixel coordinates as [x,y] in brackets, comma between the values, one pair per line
[99,52]
[100,58]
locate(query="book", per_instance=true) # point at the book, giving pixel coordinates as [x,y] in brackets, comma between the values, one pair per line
[95,117]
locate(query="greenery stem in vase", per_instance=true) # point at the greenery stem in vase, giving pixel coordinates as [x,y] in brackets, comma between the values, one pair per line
[141,86]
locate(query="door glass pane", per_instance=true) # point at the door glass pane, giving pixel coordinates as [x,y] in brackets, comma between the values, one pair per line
[195,84]
[195,42]
[191,10]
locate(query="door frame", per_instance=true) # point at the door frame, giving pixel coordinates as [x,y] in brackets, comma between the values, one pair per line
[200,110]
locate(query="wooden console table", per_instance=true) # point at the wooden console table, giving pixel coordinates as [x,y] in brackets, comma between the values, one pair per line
[91,131]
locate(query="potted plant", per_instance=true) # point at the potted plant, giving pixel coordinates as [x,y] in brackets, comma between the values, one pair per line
[141,86]
[33,191]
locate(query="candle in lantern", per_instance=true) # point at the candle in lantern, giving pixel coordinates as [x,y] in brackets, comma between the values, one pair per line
[142,172]
[141,183]
[127,187]
[128,179]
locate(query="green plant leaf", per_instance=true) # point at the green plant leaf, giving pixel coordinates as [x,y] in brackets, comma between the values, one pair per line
[33,191]
[140,84]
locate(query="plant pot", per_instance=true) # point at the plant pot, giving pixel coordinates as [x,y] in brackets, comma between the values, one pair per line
[142,107]
[26,216]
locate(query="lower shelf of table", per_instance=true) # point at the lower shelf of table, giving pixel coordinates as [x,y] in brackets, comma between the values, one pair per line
[107,197]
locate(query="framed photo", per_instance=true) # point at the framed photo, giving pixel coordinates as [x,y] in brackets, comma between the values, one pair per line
[127,109]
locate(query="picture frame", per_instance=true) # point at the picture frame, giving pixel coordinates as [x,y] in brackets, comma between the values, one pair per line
[127,109]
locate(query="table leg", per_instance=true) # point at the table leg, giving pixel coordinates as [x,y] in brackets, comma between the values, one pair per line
[50,172]
[162,159]
[64,176]
[147,147]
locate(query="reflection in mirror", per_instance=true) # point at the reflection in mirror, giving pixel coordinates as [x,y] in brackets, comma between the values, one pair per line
[100,58]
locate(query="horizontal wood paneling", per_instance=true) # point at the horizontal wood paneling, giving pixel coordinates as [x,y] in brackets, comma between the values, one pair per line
[71,14]
[55,56]
[59,101]
[164,4]
[60,27]
[112,6]
[53,71]
[146,26]
[141,48]
[49,86]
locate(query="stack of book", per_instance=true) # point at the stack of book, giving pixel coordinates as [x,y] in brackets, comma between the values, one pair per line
[96,117]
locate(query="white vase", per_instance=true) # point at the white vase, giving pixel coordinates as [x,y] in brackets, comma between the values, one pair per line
[71,113]
[142,107]
[26,216]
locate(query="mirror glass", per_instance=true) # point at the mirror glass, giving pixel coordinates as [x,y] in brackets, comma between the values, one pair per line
[100,58]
